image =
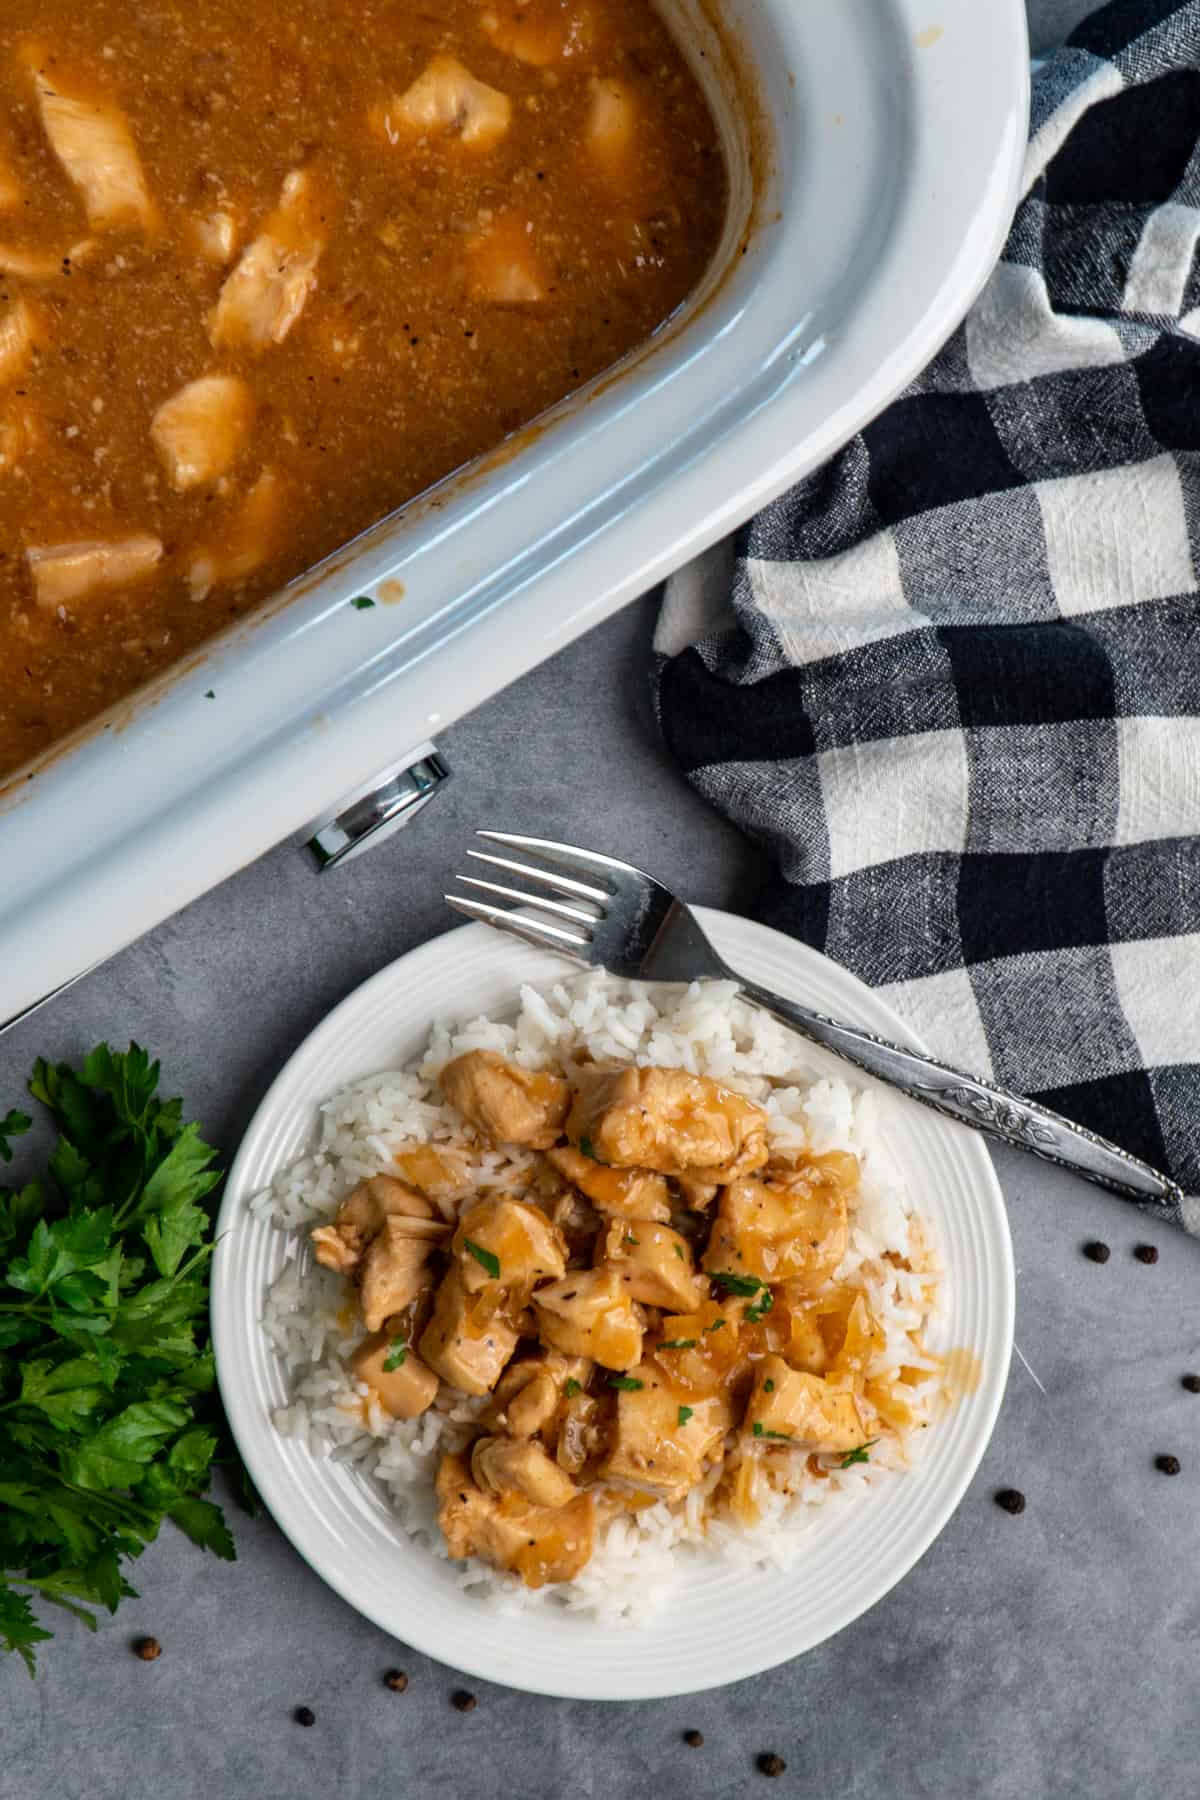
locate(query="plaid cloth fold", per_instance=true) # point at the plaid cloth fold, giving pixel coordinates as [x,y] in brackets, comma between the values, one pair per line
[952,679]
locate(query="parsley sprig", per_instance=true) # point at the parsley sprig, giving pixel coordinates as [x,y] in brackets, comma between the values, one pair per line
[107,1420]
[860,1454]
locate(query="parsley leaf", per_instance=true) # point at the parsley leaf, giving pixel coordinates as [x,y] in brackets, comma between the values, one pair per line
[106,1375]
[768,1386]
[761,1307]
[572,1387]
[12,1125]
[717,1325]
[396,1356]
[860,1454]
[487,1261]
[679,1344]
[737,1284]
[685,1413]
[626,1383]
[588,1149]
[761,1431]
[362,603]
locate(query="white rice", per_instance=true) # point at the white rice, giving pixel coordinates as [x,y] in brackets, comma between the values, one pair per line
[708,1029]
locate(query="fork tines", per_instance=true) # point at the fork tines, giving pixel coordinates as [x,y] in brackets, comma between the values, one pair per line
[565,923]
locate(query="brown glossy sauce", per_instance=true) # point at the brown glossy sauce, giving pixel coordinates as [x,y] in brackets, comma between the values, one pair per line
[467,271]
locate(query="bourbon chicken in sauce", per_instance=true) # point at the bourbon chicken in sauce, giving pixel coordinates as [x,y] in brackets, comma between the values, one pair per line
[630,1336]
[267,272]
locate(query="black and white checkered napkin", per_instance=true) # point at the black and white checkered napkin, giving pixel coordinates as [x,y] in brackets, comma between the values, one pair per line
[952,679]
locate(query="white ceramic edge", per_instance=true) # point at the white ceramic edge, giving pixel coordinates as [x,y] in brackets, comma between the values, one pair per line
[127,829]
[729,933]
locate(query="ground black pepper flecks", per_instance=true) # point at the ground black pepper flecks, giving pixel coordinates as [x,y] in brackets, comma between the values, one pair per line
[770,1764]
[464,1702]
[694,1739]
[147,1648]
[304,1715]
[1146,1253]
[1096,1251]
[1168,1465]
[1010,1500]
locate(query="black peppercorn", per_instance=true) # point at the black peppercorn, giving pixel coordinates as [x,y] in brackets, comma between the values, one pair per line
[1192,1383]
[1146,1253]
[770,1764]
[1097,1251]
[1011,1500]
[148,1648]
[1168,1465]
[397,1680]
[464,1702]
[304,1715]
[694,1738]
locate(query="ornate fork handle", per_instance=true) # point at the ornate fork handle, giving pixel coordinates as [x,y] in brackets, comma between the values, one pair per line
[990,1109]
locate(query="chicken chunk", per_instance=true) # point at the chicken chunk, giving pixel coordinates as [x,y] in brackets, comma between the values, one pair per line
[509,1104]
[361,1216]
[90,136]
[405,1390]
[627,1193]
[668,1120]
[21,333]
[530,1392]
[508,1241]
[540,32]
[700,1351]
[787,1403]
[663,1438]
[791,1231]
[540,1544]
[20,433]
[63,573]
[507,1465]
[503,268]
[246,541]
[591,1312]
[653,1262]
[437,1170]
[395,1268]
[464,1343]
[446,98]
[44,265]
[610,134]
[268,288]
[202,430]
[214,235]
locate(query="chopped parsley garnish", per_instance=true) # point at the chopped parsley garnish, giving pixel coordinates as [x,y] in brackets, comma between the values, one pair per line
[862,1454]
[626,1383]
[678,1249]
[679,1344]
[768,1386]
[717,1325]
[685,1413]
[395,1356]
[630,1239]
[761,1307]
[13,1124]
[209,694]
[745,1285]
[488,1262]
[572,1388]
[362,602]
[588,1149]
[760,1430]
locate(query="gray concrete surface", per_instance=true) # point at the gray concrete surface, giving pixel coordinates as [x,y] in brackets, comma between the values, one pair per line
[1045,1657]
[1048,1655]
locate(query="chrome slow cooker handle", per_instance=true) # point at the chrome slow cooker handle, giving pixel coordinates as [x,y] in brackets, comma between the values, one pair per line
[383,805]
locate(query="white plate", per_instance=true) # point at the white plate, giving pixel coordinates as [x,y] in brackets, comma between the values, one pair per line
[719,1626]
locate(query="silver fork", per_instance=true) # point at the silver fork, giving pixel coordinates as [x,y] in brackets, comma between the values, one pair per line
[598,910]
